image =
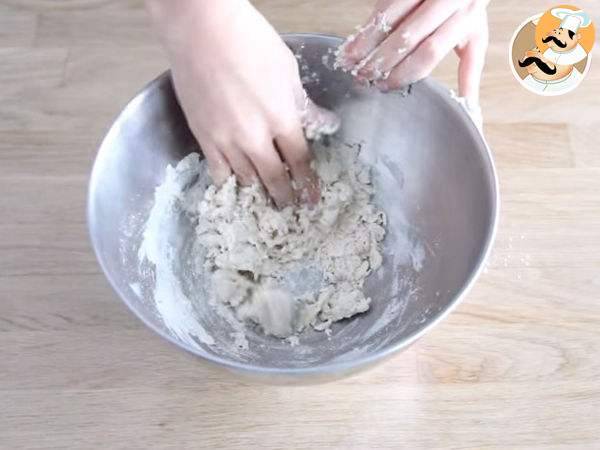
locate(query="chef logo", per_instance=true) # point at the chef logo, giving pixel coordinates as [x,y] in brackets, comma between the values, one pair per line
[550,53]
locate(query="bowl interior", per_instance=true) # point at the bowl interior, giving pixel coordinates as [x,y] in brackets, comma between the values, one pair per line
[434,179]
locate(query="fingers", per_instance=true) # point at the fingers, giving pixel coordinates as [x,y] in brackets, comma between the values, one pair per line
[241,166]
[408,35]
[218,167]
[386,17]
[272,172]
[315,120]
[222,164]
[472,61]
[429,53]
[295,151]
[263,163]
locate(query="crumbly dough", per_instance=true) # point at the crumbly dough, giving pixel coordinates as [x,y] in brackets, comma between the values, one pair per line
[285,270]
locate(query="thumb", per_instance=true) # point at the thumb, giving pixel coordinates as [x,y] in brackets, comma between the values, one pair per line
[316,121]
[472,61]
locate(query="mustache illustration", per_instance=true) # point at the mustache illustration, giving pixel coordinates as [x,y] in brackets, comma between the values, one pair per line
[541,64]
[556,41]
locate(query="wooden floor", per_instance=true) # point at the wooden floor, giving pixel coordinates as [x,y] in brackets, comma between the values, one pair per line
[516,366]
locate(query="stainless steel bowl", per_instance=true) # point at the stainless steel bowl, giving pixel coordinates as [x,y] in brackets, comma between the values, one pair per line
[435,178]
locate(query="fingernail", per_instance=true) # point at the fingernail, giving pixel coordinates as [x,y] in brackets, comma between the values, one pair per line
[282,204]
[349,60]
[362,82]
[314,193]
[366,72]
[344,62]
[307,191]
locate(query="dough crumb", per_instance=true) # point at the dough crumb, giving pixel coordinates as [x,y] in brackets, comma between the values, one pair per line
[283,271]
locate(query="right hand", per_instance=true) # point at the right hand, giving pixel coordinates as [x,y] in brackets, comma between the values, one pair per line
[240,90]
[404,40]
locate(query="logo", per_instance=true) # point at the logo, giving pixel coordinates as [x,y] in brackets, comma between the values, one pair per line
[550,53]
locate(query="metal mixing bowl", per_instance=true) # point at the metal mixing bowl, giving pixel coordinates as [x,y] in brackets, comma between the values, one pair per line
[435,178]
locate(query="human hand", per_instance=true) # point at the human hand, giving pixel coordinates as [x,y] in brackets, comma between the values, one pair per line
[240,90]
[404,40]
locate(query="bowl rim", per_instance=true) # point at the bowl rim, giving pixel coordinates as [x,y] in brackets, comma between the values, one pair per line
[331,367]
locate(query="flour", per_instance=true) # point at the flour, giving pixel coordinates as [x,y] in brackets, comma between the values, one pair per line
[160,246]
[316,121]
[280,271]
[262,259]
[176,279]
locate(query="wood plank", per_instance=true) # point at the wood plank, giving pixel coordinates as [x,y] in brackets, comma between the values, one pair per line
[585,141]
[48,153]
[43,207]
[126,26]
[95,87]
[17,27]
[193,415]
[24,70]
[61,249]
[525,145]
[532,296]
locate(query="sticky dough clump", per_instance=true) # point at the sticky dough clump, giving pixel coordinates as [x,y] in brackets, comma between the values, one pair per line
[286,270]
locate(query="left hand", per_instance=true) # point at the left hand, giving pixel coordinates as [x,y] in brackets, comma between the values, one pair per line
[404,40]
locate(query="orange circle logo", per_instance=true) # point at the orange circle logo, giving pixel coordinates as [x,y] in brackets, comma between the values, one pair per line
[550,53]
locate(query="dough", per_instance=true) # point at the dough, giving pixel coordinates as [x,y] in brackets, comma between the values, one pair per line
[286,270]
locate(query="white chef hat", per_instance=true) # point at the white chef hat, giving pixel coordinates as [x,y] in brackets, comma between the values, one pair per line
[572,20]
